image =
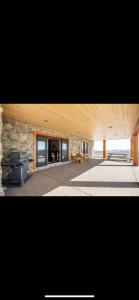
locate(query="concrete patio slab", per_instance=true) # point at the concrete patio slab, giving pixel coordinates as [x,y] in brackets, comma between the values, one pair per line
[66,191]
[136,173]
[100,191]
[93,191]
[108,173]
[92,178]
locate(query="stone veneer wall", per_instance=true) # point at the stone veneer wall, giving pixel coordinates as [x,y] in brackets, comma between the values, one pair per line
[1,189]
[17,135]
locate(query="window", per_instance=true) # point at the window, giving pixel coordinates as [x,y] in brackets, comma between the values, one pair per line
[85,148]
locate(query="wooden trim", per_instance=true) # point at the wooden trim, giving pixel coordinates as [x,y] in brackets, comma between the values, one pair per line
[50,134]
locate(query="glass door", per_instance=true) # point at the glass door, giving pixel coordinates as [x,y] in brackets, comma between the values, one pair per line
[41,151]
[64,150]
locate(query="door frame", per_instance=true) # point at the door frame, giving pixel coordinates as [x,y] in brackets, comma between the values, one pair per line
[59,145]
[46,148]
[67,141]
[46,134]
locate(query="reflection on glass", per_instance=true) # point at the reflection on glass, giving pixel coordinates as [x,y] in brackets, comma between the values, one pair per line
[41,145]
[64,146]
[41,159]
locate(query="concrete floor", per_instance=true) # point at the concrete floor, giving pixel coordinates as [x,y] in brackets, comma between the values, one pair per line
[95,177]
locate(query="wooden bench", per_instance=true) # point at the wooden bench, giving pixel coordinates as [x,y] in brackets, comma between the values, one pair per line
[77,158]
[85,156]
[73,158]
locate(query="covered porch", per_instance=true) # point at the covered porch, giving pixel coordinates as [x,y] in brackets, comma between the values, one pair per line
[54,133]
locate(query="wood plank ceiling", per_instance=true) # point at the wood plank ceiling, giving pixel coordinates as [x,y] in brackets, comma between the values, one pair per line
[92,121]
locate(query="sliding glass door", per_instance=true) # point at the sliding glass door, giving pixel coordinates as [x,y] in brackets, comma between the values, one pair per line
[41,151]
[50,150]
[64,150]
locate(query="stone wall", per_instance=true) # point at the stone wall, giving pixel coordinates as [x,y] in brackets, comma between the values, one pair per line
[75,145]
[1,189]
[17,135]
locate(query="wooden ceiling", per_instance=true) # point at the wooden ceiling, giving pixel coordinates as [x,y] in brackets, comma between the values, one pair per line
[92,121]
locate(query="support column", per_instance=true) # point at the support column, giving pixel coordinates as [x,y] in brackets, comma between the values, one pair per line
[1,189]
[93,151]
[104,148]
[135,144]
[135,149]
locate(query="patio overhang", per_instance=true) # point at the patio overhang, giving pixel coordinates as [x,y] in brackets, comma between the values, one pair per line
[79,123]
[92,121]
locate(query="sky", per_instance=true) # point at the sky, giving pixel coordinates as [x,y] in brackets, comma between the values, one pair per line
[113,145]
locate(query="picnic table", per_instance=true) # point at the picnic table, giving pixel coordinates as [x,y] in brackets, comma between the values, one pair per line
[119,155]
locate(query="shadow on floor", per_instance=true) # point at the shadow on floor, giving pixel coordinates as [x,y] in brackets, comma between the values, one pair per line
[43,182]
[104,184]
